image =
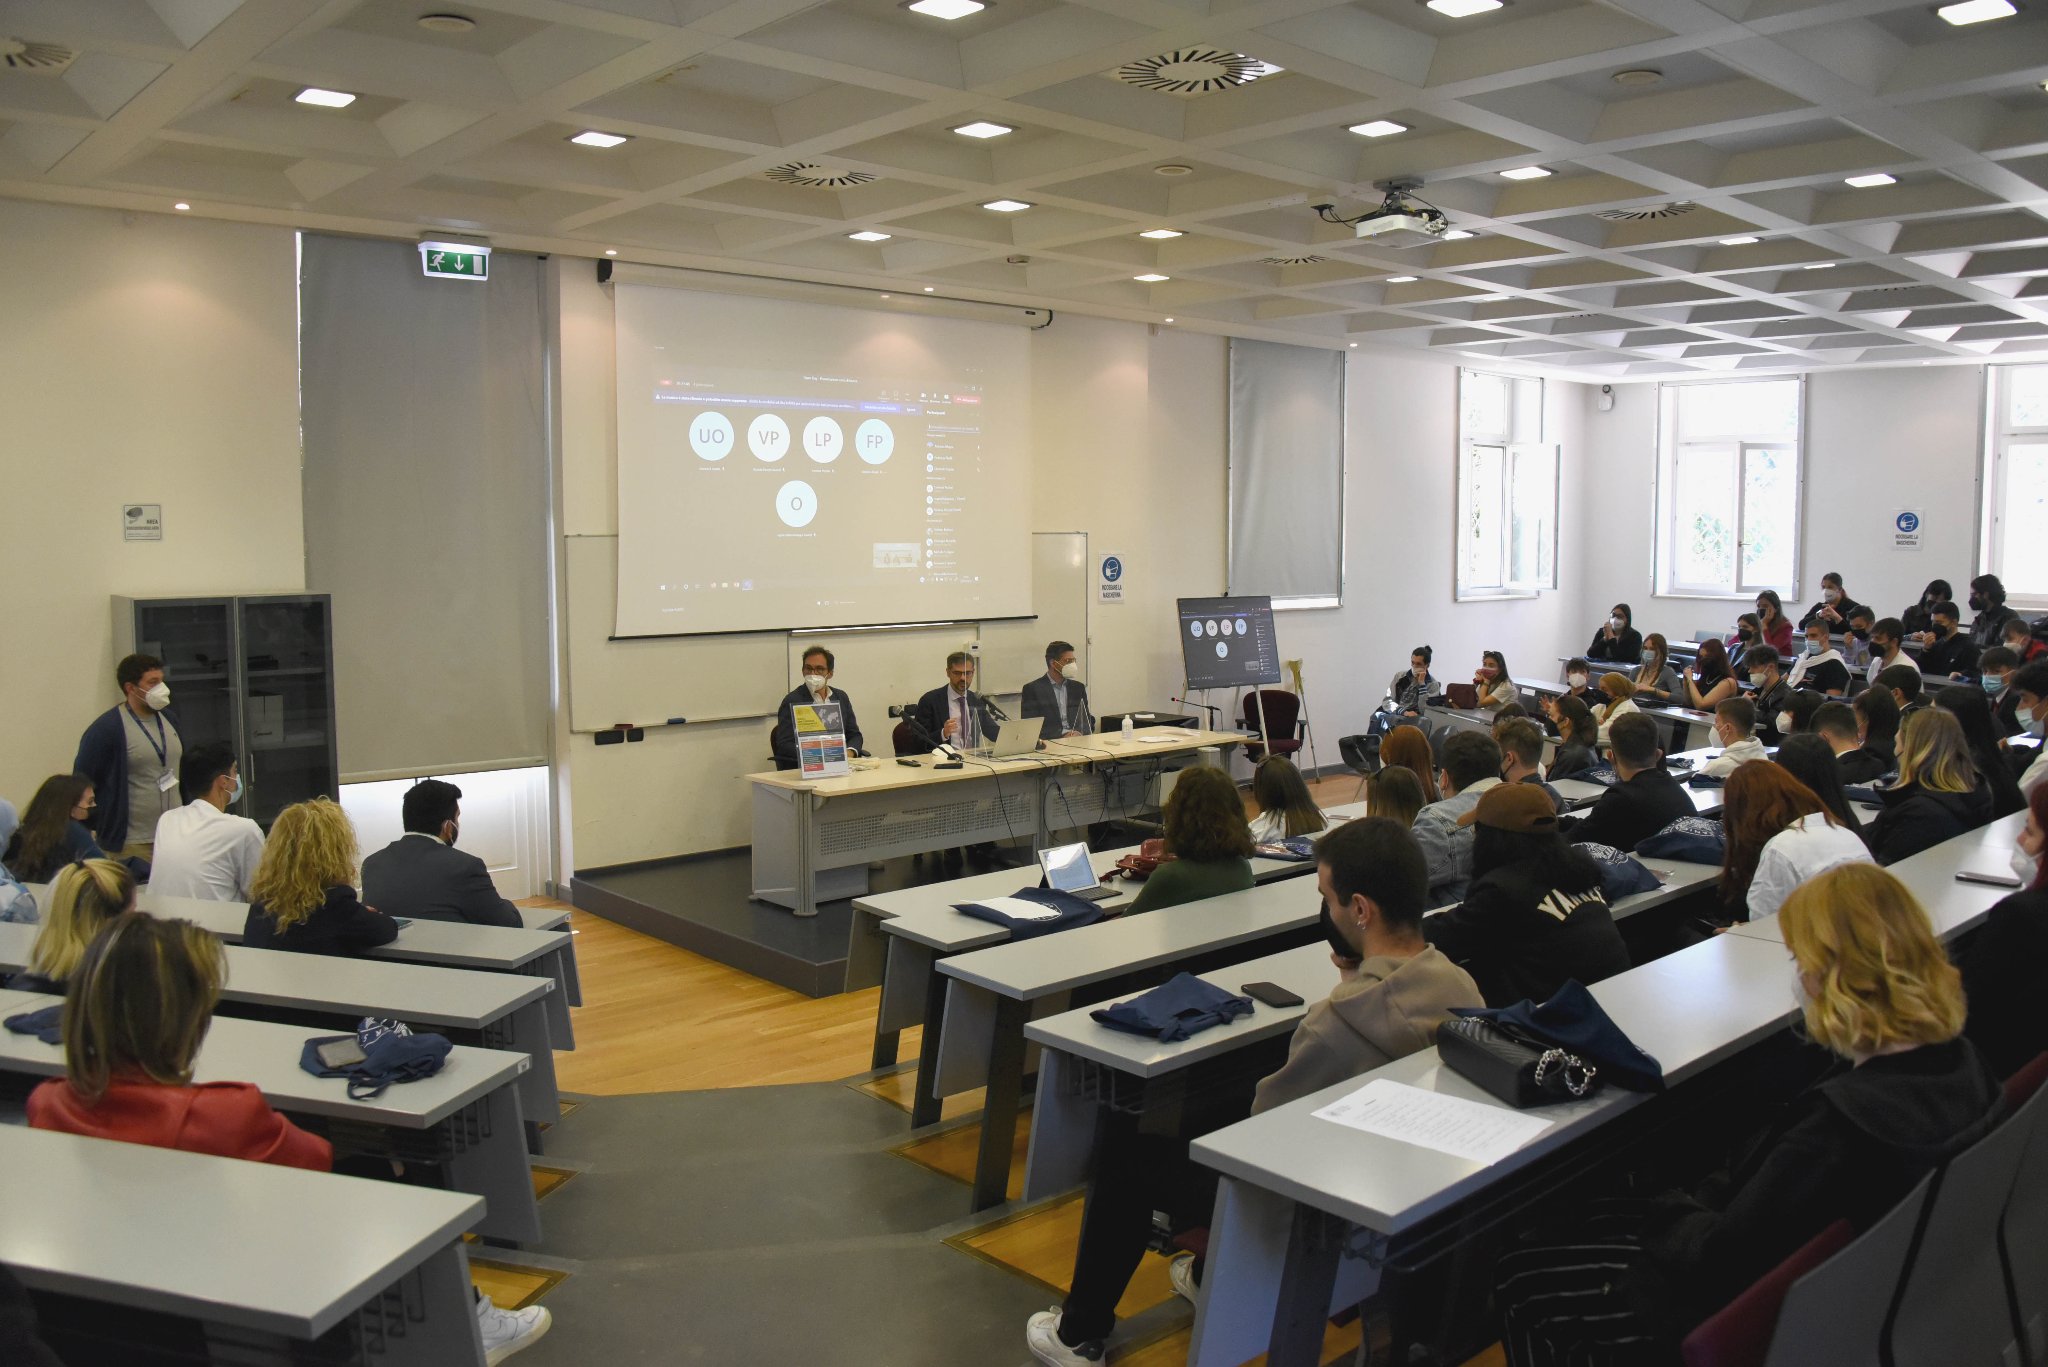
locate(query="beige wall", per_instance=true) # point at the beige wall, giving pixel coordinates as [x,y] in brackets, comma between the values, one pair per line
[145,358]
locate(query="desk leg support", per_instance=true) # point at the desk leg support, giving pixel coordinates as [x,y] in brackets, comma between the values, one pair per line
[999,1109]
[560,1030]
[428,1319]
[924,1104]
[806,866]
[538,1097]
[1308,1278]
[489,1160]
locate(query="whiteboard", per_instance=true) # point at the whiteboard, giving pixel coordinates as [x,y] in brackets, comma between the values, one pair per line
[651,681]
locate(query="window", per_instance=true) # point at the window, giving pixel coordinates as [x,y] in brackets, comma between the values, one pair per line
[1507,488]
[2016,494]
[1728,488]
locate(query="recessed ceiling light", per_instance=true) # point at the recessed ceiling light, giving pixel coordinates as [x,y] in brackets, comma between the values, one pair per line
[1006,206]
[1354,346]
[885,296]
[590,137]
[1874,178]
[447,23]
[1819,266]
[1457,235]
[928,289]
[1400,280]
[1463,9]
[611,251]
[1739,241]
[869,235]
[1152,278]
[326,99]
[1173,168]
[1169,320]
[1160,234]
[181,206]
[1638,75]
[1525,173]
[1976,11]
[946,9]
[1379,128]
[982,128]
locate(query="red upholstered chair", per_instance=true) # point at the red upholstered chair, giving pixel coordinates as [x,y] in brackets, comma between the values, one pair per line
[2021,1086]
[1283,715]
[904,740]
[1739,1334]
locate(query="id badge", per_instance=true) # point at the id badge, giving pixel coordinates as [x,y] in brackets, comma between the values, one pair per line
[166,781]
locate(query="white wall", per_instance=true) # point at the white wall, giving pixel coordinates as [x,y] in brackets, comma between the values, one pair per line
[144,358]
[1876,441]
[504,822]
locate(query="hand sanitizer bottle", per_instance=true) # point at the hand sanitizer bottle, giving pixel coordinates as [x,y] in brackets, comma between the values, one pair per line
[1130,728]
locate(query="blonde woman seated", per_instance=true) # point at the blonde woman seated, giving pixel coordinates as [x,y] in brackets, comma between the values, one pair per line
[304,893]
[84,898]
[1877,991]
[1282,797]
[1621,701]
[1937,796]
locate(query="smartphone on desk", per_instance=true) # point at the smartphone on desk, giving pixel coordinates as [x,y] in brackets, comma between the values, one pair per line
[340,1053]
[1272,994]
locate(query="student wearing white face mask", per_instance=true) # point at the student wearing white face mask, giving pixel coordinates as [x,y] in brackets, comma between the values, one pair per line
[1057,697]
[816,688]
[131,752]
[1821,667]
[1656,681]
[1617,640]
[2002,968]
[2031,684]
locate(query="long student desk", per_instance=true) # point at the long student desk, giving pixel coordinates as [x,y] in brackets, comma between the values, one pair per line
[495,1010]
[264,1258]
[805,830]
[465,1117]
[1297,1191]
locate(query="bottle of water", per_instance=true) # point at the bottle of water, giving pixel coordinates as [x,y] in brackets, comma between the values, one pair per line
[1130,728]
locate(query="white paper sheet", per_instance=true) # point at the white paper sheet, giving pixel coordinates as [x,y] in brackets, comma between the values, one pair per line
[1471,1130]
[1018,909]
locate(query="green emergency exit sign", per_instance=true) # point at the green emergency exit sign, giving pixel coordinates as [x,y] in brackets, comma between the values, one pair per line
[455,260]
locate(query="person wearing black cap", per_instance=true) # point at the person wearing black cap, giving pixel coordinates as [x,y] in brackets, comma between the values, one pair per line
[1535,916]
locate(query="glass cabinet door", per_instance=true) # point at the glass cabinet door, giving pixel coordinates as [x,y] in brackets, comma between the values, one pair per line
[289,708]
[195,640]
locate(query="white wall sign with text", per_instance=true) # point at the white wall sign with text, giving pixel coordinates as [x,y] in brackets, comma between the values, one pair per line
[142,521]
[1109,579]
[1907,529]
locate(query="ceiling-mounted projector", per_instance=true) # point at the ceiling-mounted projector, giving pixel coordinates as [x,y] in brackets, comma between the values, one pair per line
[1400,221]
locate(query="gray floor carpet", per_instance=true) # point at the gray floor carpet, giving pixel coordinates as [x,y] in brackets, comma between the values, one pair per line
[763,1225]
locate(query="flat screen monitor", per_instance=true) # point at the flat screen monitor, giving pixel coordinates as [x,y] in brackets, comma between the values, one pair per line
[1228,642]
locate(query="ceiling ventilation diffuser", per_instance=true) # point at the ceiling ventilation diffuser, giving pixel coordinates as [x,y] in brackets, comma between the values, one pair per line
[1648,211]
[1303,259]
[40,59]
[1193,71]
[811,176]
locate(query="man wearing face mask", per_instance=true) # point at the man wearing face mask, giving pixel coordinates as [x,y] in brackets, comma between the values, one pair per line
[1987,600]
[201,849]
[422,873]
[1735,730]
[1995,668]
[131,753]
[1058,697]
[816,688]
[2031,684]
[1951,654]
[1887,636]
[1821,668]
[1766,676]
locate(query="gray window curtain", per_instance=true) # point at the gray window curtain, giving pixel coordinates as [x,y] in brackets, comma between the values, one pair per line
[426,505]
[1287,473]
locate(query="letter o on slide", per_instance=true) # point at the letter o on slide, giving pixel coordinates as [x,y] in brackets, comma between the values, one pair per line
[823,441]
[874,441]
[796,503]
[711,436]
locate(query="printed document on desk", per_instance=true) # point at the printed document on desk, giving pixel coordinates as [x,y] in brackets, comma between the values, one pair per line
[1471,1130]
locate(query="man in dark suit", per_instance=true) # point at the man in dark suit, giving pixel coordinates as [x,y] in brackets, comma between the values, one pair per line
[816,688]
[956,714]
[1059,698]
[422,873]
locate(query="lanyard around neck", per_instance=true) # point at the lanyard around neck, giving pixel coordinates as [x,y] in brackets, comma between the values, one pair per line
[160,742]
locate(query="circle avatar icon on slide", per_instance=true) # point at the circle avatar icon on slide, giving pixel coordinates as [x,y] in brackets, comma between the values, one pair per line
[1225,625]
[711,436]
[823,440]
[1223,650]
[796,503]
[874,441]
[1195,629]
[768,438]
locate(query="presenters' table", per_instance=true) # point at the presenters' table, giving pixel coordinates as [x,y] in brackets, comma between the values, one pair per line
[813,839]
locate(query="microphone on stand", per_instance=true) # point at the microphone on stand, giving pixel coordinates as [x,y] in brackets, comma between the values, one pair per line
[1210,708]
[989,704]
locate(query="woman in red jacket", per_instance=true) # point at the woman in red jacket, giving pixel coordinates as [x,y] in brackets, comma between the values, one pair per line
[138,1007]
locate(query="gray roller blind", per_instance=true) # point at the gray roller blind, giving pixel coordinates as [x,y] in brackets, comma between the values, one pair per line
[426,505]
[1287,473]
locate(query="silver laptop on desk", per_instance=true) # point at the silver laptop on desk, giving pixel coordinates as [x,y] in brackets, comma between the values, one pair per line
[1067,870]
[1018,738]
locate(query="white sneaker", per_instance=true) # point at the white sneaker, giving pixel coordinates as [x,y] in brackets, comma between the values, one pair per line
[505,1332]
[1042,1336]
[1181,1273]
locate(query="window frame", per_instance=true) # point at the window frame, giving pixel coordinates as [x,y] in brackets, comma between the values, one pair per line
[1512,454]
[2000,434]
[1664,582]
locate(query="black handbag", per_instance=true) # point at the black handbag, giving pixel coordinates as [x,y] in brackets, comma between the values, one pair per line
[1512,1065]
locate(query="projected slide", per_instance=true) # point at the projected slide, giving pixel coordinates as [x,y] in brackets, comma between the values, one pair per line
[1228,642]
[788,465]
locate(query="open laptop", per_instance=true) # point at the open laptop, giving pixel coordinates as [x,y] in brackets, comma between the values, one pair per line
[1013,740]
[1067,870]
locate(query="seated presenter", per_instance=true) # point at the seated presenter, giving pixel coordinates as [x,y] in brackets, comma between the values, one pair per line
[1059,698]
[956,714]
[816,688]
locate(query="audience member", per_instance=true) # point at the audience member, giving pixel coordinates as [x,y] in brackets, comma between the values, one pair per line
[1393,991]
[815,688]
[1918,620]
[1208,839]
[1811,760]
[1837,726]
[1995,668]
[2002,966]
[1617,641]
[202,849]
[1822,668]
[1655,678]
[131,752]
[1967,705]
[2031,711]
[1735,733]
[1877,719]
[1767,678]
[1937,796]
[1282,797]
[83,900]
[1778,834]
[17,903]
[1887,637]
[1407,747]
[1394,793]
[1834,608]
[1578,737]
[422,874]
[1496,687]
[1710,678]
[1621,702]
[1535,916]
[54,831]
[1856,645]
[1578,681]
[1747,633]
[1876,990]
[1905,683]
[2019,638]
[1470,766]
[1412,689]
[1951,654]
[1774,628]
[1987,600]
[1645,800]
[1797,716]
[304,896]
[1521,748]
[1513,711]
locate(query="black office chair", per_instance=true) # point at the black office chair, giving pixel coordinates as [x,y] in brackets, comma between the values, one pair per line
[1361,756]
